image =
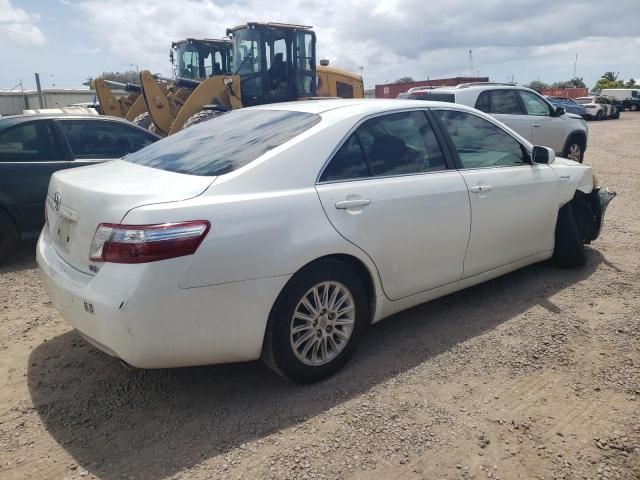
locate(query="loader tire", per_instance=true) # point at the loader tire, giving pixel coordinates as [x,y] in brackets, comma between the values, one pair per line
[201,116]
[143,120]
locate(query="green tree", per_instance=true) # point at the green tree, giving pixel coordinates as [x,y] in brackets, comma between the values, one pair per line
[577,82]
[404,80]
[631,83]
[537,85]
[608,80]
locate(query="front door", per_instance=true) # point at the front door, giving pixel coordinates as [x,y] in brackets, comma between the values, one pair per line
[514,204]
[388,191]
[546,130]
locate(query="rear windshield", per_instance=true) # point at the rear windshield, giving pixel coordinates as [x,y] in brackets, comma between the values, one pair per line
[225,143]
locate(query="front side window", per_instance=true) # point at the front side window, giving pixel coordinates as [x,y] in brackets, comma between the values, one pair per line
[30,142]
[480,143]
[101,139]
[394,144]
[534,105]
[225,143]
[505,102]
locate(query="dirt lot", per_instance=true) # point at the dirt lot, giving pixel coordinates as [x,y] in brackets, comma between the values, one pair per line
[533,375]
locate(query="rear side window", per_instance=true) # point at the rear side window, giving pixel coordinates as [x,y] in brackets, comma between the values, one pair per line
[394,144]
[505,102]
[102,139]
[348,163]
[30,142]
[225,143]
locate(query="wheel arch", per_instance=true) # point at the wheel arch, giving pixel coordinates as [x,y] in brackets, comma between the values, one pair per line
[576,134]
[361,268]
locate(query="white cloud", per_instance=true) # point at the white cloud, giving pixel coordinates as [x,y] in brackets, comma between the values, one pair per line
[393,38]
[18,27]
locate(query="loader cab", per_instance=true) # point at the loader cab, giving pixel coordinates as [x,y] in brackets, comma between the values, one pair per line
[197,59]
[276,62]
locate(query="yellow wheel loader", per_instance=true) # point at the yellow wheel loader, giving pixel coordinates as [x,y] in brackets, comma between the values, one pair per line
[128,106]
[192,59]
[273,62]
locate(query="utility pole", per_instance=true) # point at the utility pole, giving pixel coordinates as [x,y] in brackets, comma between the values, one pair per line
[575,65]
[39,88]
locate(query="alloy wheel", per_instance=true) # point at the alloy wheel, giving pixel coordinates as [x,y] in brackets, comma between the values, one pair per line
[574,153]
[322,323]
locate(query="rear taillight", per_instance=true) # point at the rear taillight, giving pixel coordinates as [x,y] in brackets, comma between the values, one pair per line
[146,243]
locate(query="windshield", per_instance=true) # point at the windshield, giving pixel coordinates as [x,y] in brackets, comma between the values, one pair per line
[225,143]
[200,60]
[584,100]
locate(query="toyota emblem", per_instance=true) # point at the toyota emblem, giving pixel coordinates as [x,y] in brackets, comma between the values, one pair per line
[57,201]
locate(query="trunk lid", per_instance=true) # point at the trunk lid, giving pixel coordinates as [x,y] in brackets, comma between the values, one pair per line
[81,198]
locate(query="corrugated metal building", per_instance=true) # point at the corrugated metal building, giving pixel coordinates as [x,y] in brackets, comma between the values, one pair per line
[13,102]
[391,90]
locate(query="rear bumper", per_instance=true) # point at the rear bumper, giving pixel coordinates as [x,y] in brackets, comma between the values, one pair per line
[141,316]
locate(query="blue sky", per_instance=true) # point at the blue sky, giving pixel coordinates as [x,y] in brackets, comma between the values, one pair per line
[70,40]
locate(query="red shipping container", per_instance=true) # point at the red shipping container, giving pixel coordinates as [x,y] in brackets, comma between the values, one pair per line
[566,92]
[391,90]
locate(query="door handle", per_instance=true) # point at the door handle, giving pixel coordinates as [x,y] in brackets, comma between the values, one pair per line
[481,188]
[535,125]
[360,202]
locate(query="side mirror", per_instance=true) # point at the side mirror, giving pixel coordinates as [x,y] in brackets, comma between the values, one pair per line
[543,155]
[560,111]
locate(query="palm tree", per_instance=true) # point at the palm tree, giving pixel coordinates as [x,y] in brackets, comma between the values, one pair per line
[610,76]
[631,83]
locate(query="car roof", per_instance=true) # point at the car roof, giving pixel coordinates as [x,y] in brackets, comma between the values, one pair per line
[355,106]
[21,118]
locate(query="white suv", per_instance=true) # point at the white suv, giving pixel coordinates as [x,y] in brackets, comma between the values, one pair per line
[521,109]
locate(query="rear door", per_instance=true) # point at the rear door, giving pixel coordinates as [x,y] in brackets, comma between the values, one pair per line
[547,130]
[505,105]
[30,152]
[514,204]
[388,191]
[96,140]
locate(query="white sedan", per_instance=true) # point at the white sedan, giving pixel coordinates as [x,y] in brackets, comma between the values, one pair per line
[283,231]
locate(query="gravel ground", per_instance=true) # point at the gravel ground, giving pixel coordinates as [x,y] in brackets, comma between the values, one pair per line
[532,375]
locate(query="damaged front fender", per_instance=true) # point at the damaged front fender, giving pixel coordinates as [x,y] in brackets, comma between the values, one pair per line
[588,210]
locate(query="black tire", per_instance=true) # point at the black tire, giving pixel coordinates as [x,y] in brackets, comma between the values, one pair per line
[574,143]
[201,116]
[8,235]
[634,107]
[278,352]
[616,116]
[568,251]
[143,120]
[599,115]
